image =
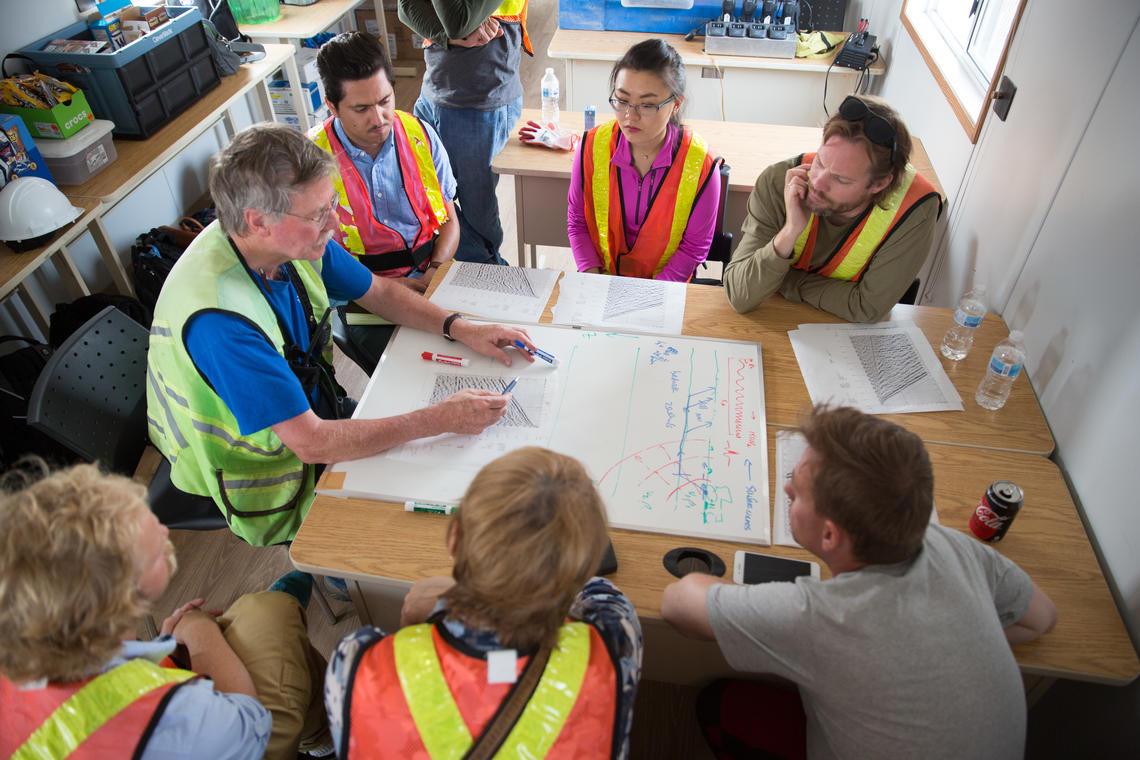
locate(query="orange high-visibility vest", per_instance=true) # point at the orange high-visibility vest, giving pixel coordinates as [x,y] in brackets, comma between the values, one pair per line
[513,11]
[106,716]
[854,254]
[359,231]
[664,224]
[416,695]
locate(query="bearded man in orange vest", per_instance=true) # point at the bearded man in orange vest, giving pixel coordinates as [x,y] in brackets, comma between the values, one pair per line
[83,559]
[393,175]
[845,229]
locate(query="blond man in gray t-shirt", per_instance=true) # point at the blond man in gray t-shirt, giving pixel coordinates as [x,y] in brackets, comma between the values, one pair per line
[905,650]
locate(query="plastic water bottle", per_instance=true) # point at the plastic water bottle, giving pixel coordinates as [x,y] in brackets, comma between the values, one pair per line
[958,339]
[549,97]
[1005,366]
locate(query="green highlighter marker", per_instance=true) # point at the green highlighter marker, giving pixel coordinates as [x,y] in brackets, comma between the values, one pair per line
[434,509]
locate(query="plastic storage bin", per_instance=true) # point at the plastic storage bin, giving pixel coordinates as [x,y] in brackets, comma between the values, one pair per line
[145,84]
[83,155]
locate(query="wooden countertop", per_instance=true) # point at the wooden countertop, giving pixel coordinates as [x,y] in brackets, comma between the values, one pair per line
[366,540]
[747,148]
[587,45]
[16,267]
[298,22]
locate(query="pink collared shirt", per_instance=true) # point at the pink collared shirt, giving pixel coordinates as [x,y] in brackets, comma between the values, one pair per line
[637,193]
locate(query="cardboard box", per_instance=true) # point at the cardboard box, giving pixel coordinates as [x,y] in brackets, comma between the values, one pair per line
[293,121]
[19,156]
[281,96]
[307,65]
[399,36]
[55,123]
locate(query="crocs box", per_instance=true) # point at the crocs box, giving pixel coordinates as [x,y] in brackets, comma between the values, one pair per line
[19,156]
[146,83]
[56,123]
[83,155]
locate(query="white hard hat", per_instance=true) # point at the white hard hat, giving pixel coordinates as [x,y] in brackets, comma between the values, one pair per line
[31,208]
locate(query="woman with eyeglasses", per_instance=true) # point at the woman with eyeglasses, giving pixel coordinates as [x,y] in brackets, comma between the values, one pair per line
[644,189]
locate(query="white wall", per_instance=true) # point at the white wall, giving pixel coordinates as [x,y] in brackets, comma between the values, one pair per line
[1074,297]
[1038,210]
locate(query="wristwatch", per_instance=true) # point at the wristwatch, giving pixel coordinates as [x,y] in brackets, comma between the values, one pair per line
[447,325]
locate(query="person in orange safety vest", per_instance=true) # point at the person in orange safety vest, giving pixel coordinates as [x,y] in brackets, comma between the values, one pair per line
[393,175]
[644,190]
[83,559]
[845,229]
[519,653]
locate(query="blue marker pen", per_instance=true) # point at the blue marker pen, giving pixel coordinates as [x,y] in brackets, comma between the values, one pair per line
[510,386]
[549,358]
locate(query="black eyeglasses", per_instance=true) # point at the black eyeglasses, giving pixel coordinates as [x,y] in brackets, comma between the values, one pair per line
[644,110]
[876,127]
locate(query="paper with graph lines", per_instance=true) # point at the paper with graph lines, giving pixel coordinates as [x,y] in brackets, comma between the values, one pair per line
[495,292]
[625,303]
[883,368]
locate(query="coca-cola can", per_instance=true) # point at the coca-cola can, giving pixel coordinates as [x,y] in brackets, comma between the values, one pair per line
[996,510]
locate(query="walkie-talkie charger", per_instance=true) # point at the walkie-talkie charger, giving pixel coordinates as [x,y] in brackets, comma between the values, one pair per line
[857,53]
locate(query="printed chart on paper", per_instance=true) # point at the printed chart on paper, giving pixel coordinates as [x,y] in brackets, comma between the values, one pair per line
[672,430]
[495,292]
[624,303]
[877,368]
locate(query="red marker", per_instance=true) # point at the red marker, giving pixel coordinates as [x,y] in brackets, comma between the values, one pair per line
[458,361]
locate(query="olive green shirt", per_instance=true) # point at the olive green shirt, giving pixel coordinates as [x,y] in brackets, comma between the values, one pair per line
[756,271]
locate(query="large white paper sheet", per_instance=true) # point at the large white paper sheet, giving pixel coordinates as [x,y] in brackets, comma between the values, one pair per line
[884,368]
[624,303]
[671,429]
[495,292]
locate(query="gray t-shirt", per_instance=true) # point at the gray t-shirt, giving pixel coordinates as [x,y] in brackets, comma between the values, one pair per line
[905,660]
[483,78]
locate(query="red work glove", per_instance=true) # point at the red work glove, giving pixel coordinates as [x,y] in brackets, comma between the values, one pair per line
[550,136]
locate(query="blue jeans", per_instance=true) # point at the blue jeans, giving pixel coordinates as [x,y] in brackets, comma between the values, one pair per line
[472,138]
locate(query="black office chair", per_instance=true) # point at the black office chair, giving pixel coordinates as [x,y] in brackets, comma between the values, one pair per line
[721,248]
[91,397]
[911,293]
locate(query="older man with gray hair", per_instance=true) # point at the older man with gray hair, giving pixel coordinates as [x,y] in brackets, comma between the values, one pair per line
[241,396]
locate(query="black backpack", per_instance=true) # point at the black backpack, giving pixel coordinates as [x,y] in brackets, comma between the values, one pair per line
[18,372]
[154,253]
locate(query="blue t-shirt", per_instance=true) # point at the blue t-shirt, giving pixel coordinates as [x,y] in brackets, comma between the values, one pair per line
[385,183]
[245,369]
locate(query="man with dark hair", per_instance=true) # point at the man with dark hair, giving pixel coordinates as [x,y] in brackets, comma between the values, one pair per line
[904,651]
[845,229]
[393,175]
[472,95]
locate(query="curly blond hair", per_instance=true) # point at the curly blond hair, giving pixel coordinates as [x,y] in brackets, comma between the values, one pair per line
[69,572]
[530,531]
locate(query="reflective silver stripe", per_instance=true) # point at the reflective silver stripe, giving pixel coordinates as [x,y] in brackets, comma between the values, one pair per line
[163,331]
[179,440]
[262,482]
[167,389]
[156,423]
[214,430]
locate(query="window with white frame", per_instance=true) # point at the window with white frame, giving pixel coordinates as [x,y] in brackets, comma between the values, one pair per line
[964,42]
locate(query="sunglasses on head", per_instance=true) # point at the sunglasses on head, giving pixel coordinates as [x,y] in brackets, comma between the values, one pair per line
[877,128]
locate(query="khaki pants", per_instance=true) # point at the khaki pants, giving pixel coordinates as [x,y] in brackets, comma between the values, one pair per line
[267,631]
